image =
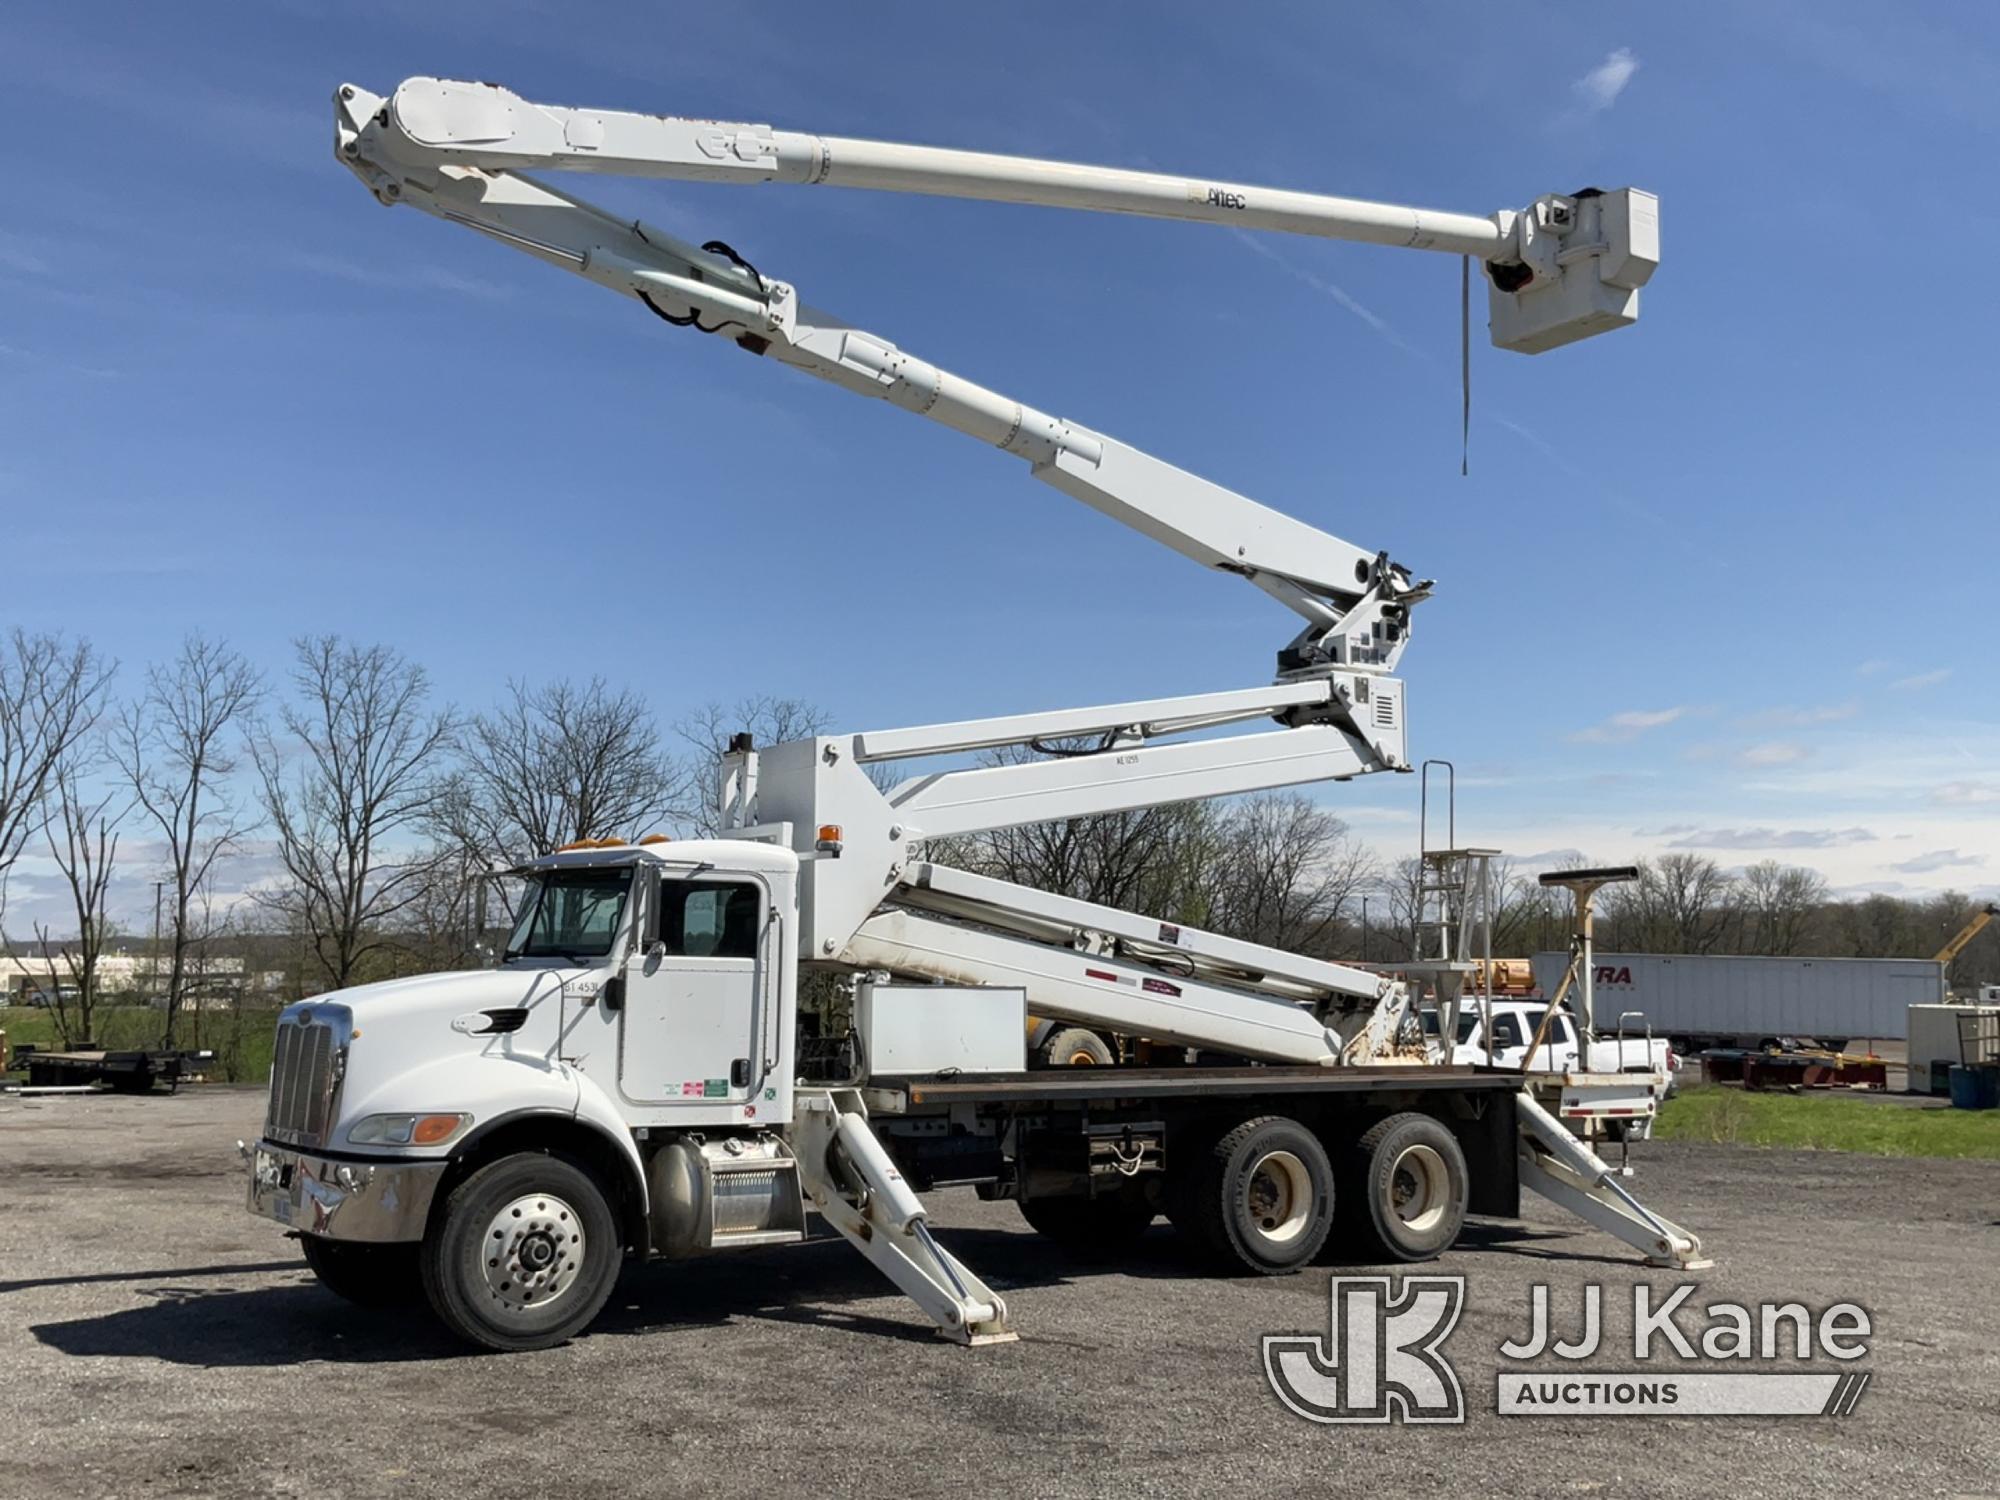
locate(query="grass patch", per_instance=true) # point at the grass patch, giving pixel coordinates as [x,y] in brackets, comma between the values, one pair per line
[241,1039]
[1820,1123]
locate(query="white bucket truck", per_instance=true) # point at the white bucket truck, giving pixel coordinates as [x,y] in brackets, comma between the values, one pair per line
[640,1077]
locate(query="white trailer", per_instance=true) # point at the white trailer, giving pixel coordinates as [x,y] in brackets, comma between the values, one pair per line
[646,1072]
[1717,1000]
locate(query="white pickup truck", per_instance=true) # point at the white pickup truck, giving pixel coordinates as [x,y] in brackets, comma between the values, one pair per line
[1515,1023]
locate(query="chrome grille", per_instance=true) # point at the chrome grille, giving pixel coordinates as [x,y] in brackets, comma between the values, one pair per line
[304,1074]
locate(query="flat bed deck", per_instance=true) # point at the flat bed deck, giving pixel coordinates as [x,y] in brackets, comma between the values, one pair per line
[1096,1084]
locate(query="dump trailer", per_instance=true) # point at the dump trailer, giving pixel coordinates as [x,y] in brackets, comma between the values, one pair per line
[690,1046]
[1701,1000]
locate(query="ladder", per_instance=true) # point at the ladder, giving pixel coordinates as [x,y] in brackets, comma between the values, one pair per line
[1454,917]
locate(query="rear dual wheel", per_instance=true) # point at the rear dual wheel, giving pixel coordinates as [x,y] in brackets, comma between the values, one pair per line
[1260,1199]
[1403,1190]
[1076,1047]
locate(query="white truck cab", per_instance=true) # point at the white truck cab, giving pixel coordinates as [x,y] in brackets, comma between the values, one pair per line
[643,1074]
[1515,1024]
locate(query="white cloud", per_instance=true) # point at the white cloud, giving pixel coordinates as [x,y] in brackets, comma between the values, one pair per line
[1801,718]
[1967,793]
[1773,753]
[413,278]
[1773,838]
[1599,89]
[1938,859]
[1922,679]
[1326,288]
[1629,725]
[16,256]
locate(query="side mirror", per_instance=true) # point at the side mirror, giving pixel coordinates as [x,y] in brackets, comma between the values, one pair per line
[612,996]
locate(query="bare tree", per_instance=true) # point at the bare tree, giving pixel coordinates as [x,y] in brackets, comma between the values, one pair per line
[360,768]
[557,763]
[51,694]
[1694,897]
[707,731]
[174,748]
[82,837]
[1288,872]
[1402,889]
[1149,859]
[1780,906]
[444,926]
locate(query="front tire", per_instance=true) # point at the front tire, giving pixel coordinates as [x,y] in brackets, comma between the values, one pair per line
[1405,1190]
[1099,1226]
[1259,1200]
[366,1275]
[524,1254]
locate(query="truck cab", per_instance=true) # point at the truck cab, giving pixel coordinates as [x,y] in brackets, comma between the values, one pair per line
[645,989]
[1515,1023]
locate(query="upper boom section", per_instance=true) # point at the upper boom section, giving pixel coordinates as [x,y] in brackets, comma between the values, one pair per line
[1355,602]
[1564,268]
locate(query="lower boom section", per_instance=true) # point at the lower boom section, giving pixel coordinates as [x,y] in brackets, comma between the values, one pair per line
[1125,997]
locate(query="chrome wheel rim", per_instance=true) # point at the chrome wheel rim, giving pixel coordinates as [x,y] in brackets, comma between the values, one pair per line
[532,1252]
[1279,1196]
[1419,1188]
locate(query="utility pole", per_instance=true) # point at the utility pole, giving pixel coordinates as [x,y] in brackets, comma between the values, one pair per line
[158,886]
[1364,929]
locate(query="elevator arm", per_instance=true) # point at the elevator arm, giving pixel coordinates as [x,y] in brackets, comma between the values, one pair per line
[1354,602]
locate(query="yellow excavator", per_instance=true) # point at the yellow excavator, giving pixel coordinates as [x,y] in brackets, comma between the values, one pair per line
[1967,933]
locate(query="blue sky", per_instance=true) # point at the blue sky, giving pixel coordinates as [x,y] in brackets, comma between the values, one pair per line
[1723,581]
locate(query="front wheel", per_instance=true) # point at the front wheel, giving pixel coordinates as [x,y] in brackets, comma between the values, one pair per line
[1096,1226]
[366,1275]
[524,1255]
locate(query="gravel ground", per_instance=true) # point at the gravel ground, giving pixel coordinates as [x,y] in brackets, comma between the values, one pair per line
[156,1339]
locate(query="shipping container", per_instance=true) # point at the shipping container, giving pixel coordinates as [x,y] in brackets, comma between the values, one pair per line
[1716,1000]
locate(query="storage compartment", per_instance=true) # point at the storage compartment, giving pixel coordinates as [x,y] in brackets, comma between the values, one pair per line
[920,1029]
[1935,1037]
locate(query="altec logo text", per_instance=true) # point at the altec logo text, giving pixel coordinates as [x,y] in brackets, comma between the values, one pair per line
[1383,1359]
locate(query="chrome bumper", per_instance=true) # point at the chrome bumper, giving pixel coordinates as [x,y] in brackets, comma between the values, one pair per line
[371,1202]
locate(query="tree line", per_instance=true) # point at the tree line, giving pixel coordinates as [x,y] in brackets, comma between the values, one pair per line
[381,809]
[1279,868]
[381,813]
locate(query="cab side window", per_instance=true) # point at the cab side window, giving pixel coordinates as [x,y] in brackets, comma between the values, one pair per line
[709,918]
[1506,1031]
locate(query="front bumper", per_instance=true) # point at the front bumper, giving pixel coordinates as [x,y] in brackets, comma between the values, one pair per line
[370,1202]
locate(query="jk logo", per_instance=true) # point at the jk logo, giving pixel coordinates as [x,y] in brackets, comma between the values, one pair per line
[1379,1361]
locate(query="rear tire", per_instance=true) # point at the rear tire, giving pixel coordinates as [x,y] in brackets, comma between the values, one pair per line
[366,1275]
[1092,1226]
[1404,1190]
[523,1255]
[1076,1047]
[1260,1199]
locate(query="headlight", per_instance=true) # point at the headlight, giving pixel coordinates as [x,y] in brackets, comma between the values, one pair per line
[406,1130]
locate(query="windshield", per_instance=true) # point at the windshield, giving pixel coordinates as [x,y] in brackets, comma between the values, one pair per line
[571,914]
[1467,1020]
